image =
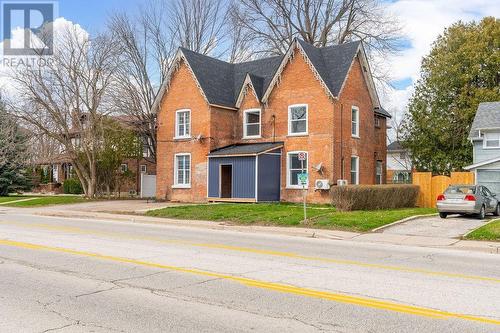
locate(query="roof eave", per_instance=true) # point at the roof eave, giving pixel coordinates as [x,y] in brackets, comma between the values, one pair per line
[179,56]
[284,62]
[483,163]
[367,75]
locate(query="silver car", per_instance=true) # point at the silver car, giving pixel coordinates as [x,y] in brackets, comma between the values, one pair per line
[467,199]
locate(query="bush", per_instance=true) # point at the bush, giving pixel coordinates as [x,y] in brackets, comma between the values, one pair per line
[371,197]
[72,186]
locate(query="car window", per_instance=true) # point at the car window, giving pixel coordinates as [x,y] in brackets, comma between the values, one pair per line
[486,192]
[460,190]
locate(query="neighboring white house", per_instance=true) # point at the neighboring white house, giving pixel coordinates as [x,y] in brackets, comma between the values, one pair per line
[485,137]
[398,164]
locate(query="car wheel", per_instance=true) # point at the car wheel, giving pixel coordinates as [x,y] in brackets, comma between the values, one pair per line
[482,213]
[443,215]
[497,210]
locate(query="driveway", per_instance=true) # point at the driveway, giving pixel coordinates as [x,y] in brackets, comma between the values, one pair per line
[455,226]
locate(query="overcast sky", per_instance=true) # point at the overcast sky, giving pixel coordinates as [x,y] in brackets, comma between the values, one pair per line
[422,21]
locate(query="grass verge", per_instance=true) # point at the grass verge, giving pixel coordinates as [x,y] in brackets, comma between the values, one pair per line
[490,232]
[319,216]
[46,201]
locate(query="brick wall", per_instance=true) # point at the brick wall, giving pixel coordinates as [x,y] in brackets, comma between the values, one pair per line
[183,94]
[329,130]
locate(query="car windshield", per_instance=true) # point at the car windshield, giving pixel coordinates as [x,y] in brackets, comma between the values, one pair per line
[461,190]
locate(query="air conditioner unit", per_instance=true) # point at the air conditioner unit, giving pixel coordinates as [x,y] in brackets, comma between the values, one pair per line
[322,184]
[341,182]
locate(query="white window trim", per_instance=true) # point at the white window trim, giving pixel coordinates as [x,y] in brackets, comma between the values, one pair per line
[357,169]
[145,168]
[357,121]
[381,172]
[306,168]
[177,136]
[245,136]
[126,167]
[290,120]
[484,141]
[176,185]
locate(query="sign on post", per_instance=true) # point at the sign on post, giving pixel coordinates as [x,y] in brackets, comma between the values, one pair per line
[302,179]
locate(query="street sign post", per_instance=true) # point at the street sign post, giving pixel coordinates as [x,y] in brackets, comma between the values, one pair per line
[302,179]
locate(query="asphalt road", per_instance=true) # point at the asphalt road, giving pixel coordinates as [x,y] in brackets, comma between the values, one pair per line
[75,275]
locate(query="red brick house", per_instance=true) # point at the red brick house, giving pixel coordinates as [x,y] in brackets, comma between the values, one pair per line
[233,132]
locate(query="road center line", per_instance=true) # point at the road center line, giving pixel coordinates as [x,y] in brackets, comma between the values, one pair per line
[336,297]
[254,251]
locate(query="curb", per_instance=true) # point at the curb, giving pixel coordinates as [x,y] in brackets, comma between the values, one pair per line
[471,231]
[406,219]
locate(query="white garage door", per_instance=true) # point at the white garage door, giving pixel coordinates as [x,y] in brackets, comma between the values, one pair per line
[490,179]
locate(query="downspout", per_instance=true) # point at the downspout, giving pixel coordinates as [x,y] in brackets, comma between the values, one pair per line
[342,171]
[333,145]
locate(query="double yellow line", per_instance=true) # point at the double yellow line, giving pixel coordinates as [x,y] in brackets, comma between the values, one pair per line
[341,298]
[404,269]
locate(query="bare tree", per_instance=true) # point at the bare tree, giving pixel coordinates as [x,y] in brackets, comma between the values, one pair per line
[272,24]
[147,44]
[69,96]
[199,25]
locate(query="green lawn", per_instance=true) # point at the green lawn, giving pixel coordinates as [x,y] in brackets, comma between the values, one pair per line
[45,201]
[290,215]
[11,198]
[490,232]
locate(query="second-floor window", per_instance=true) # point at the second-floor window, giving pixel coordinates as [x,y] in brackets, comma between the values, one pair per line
[377,122]
[491,140]
[355,121]
[183,124]
[251,124]
[297,119]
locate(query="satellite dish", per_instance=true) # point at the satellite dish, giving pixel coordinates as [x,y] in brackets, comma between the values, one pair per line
[318,167]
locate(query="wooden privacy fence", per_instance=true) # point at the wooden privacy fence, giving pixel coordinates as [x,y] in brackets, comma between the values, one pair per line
[432,186]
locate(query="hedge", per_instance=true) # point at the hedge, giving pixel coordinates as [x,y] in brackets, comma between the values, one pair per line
[72,186]
[372,197]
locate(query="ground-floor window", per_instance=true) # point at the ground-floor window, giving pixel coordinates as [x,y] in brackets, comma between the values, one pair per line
[294,168]
[378,172]
[144,168]
[354,170]
[182,170]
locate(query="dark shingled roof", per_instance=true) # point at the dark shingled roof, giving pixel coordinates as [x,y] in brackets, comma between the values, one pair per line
[246,149]
[395,146]
[382,112]
[332,62]
[221,81]
[487,116]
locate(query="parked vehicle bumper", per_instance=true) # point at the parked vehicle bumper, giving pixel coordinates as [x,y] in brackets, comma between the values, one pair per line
[461,208]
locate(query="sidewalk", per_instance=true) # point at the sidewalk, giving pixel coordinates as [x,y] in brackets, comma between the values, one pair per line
[374,237]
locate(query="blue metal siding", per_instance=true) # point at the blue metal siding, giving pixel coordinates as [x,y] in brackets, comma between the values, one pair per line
[243,176]
[481,154]
[269,177]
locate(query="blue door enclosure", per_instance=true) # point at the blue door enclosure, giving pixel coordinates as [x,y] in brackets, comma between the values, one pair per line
[245,173]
